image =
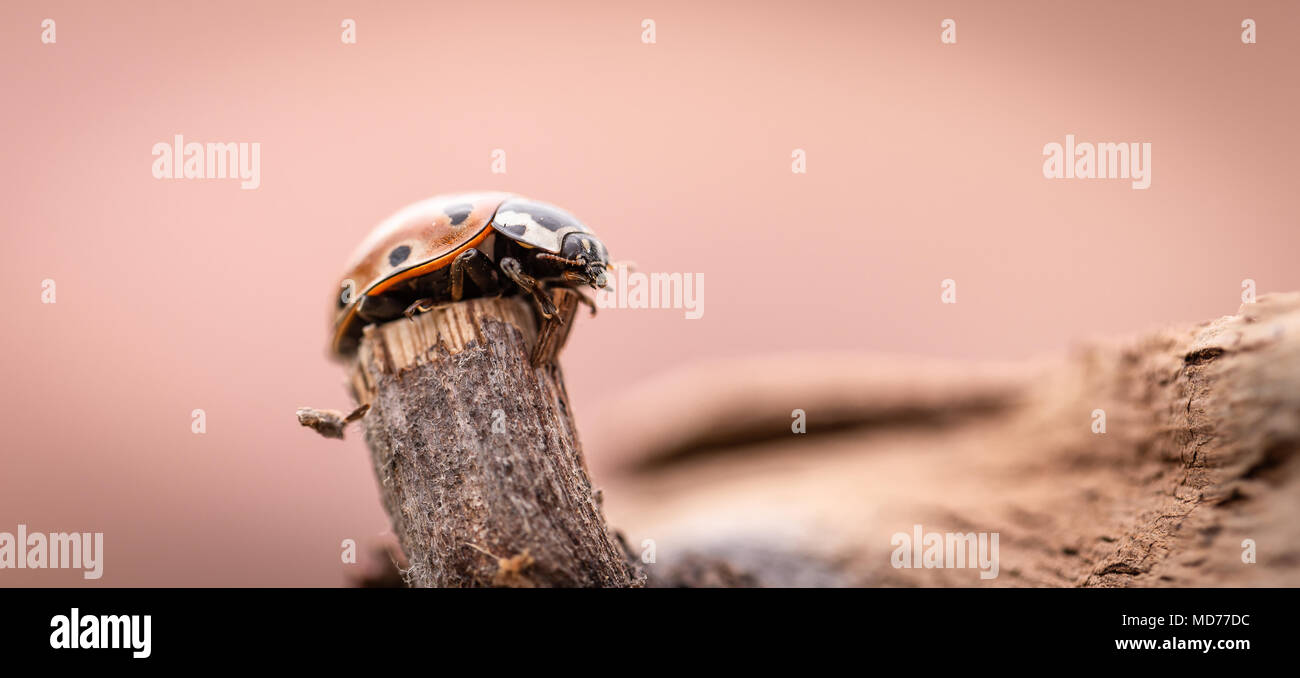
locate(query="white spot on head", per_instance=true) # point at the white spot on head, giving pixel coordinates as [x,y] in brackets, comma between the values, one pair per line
[533,233]
[512,218]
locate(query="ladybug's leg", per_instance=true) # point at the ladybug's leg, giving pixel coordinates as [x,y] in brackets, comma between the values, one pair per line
[510,266]
[545,304]
[582,297]
[419,306]
[379,309]
[478,267]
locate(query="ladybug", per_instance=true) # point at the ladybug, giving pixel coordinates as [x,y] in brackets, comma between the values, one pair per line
[453,247]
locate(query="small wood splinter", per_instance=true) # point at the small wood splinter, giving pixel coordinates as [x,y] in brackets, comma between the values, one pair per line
[329,423]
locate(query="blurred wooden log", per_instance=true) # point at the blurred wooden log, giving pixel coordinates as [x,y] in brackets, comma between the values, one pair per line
[1194,481]
[735,403]
[476,452]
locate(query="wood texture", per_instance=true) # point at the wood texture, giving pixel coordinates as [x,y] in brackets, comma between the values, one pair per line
[1198,461]
[476,453]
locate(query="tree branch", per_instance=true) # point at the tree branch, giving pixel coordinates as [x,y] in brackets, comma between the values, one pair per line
[476,451]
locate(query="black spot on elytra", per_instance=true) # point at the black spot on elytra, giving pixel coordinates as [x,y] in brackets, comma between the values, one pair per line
[399,255]
[459,213]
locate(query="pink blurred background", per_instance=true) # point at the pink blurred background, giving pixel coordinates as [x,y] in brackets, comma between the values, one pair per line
[924,163]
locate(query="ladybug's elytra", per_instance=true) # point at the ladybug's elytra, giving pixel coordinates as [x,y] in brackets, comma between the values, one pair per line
[452,247]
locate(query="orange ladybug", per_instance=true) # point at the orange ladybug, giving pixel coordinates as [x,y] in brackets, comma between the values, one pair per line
[452,247]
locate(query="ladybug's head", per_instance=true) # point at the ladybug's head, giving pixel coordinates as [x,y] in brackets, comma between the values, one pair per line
[585,259]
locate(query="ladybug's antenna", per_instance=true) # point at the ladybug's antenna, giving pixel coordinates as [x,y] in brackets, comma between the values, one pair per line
[560,259]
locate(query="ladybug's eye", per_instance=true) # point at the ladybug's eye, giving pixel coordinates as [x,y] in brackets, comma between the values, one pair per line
[398,255]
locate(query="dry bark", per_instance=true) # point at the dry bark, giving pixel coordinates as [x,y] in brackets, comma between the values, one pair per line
[476,452]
